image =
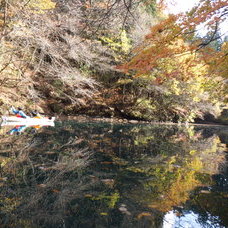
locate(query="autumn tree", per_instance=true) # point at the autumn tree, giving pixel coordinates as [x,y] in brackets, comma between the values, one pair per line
[15,55]
[62,44]
[170,55]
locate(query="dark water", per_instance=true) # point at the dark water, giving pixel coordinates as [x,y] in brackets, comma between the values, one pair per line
[114,175]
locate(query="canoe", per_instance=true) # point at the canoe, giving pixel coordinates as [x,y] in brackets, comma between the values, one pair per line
[13,120]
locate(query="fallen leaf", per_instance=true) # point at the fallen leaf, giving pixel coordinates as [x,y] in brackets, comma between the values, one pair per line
[103,213]
[143,214]
[107,162]
[41,185]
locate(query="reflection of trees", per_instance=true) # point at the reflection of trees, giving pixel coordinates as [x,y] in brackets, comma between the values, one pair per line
[43,174]
[167,163]
[162,165]
[169,182]
[135,173]
[208,204]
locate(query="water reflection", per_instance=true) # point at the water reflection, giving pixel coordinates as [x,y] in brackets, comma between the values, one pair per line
[114,175]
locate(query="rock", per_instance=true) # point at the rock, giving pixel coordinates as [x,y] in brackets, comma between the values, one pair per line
[133,121]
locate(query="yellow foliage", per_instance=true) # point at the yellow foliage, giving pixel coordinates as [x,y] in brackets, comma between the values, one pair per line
[172,183]
[124,81]
[40,6]
[4,161]
[183,64]
[143,214]
[196,164]
[111,200]
[120,45]
[103,213]
[125,42]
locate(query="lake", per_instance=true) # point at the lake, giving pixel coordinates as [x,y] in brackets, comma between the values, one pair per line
[102,174]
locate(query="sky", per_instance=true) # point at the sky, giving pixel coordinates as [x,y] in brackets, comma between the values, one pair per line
[178,6]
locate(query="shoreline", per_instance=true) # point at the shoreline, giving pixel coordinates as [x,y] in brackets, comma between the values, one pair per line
[85,118]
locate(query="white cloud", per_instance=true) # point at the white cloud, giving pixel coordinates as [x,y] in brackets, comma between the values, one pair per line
[178,6]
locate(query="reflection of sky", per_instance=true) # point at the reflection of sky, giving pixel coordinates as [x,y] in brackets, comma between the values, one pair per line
[187,220]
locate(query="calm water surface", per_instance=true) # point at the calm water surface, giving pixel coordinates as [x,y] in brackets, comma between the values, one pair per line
[114,175]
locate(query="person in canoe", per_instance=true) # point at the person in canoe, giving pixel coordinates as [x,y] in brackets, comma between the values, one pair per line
[18,112]
[35,114]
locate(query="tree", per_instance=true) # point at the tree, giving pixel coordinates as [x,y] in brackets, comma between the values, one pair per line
[171,53]
[181,26]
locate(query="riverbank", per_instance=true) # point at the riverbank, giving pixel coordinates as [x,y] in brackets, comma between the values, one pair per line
[86,118]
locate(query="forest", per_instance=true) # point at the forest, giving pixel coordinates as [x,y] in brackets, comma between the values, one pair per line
[126,59]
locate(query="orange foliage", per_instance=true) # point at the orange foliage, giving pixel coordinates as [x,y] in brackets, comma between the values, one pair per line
[207,11]
[160,42]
